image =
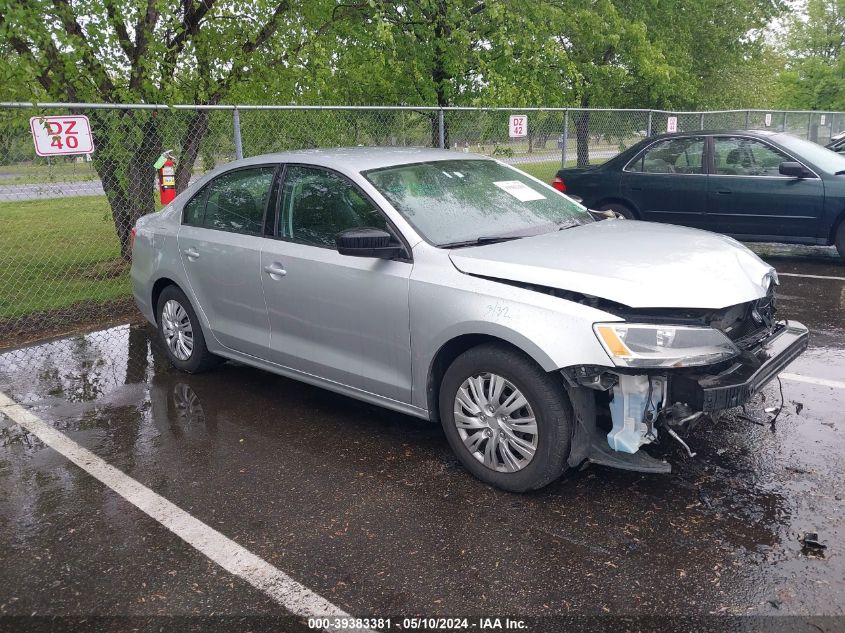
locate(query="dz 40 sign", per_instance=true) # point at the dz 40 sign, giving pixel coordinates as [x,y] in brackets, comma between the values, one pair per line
[57,135]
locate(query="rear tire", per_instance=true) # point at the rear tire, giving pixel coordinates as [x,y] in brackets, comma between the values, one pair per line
[180,333]
[621,211]
[840,239]
[504,448]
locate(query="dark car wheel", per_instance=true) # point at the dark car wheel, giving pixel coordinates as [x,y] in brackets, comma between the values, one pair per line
[507,420]
[621,211]
[840,240]
[181,334]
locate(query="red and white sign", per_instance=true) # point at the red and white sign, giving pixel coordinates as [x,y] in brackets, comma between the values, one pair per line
[672,124]
[518,126]
[57,135]
[768,119]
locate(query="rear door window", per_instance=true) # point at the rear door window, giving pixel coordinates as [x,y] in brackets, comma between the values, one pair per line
[671,156]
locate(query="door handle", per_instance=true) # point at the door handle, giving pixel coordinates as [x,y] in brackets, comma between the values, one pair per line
[191,253]
[724,192]
[636,188]
[275,270]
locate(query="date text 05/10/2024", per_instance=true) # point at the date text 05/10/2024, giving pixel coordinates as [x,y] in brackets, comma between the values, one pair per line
[417,623]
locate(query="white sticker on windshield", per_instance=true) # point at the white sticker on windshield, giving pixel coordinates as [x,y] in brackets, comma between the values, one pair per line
[519,190]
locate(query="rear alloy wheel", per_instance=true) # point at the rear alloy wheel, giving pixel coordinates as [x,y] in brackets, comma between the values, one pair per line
[619,210]
[840,239]
[180,331]
[506,419]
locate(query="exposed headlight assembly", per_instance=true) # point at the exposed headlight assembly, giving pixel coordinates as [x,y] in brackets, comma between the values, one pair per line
[652,345]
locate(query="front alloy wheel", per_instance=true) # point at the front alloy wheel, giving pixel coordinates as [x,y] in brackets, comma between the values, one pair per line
[496,423]
[507,420]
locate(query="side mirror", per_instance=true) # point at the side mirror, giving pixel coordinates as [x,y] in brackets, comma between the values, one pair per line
[368,243]
[793,169]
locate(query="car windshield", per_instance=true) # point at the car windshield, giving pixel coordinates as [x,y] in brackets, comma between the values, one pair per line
[452,202]
[823,158]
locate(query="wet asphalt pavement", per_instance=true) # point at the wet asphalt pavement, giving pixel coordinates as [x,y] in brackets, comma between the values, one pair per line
[369,509]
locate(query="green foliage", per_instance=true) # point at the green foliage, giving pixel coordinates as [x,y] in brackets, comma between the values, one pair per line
[814,78]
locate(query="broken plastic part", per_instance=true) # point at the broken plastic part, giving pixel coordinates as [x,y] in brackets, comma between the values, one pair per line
[634,399]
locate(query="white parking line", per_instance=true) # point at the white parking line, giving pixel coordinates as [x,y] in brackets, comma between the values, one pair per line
[836,384]
[811,276]
[294,597]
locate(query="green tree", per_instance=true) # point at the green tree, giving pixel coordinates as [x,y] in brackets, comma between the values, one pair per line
[814,77]
[150,51]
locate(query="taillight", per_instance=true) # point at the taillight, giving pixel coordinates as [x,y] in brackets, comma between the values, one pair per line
[558,184]
[132,238]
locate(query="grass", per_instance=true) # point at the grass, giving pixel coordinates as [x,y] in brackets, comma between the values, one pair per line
[546,170]
[58,252]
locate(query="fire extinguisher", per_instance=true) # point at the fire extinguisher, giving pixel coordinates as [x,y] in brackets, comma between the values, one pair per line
[166,177]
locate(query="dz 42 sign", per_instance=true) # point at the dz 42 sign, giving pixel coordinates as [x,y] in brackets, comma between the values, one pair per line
[56,135]
[518,126]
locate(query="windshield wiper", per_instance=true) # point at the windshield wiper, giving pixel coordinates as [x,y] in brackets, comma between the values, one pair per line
[493,239]
[487,239]
[841,172]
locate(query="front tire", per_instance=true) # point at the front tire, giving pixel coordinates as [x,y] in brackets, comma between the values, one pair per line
[840,239]
[508,422]
[180,332]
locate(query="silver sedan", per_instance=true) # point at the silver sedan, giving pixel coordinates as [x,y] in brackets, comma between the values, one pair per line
[458,289]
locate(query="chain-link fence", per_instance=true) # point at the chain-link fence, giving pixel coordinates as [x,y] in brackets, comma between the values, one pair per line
[65,220]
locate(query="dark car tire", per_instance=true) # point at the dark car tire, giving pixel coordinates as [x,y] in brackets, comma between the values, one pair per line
[544,393]
[840,239]
[620,210]
[199,359]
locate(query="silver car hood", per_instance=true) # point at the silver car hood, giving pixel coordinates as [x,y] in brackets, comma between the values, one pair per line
[637,264]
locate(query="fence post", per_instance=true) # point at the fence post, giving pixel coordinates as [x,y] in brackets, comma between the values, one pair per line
[648,129]
[565,139]
[236,123]
[747,119]
[701,123]
[783,124]
[809,125]
[441,134]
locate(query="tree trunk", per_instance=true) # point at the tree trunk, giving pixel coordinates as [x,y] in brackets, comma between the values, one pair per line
[582,136]
[109,165]
[190,146]
[141,176]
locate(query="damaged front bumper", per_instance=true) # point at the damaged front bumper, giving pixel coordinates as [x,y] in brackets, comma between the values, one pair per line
[735,385]
[640,402]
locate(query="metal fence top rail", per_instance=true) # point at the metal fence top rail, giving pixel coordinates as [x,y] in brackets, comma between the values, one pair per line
[161,106]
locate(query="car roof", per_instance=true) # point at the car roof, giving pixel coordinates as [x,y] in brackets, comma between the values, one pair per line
[760,133]
[358,159]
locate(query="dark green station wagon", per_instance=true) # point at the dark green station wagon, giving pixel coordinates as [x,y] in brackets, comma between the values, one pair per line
[753,185]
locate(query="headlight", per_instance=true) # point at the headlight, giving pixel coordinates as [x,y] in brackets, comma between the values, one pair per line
[647,345]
